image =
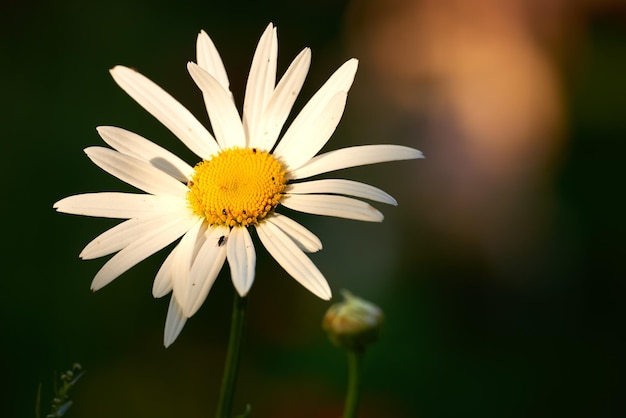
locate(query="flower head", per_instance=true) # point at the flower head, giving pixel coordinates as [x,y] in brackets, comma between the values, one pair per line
[353,323]
[242,176]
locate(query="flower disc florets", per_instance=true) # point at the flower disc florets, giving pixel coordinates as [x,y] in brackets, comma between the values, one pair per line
[239,186]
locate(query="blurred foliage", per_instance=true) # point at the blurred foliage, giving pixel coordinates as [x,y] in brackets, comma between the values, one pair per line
[61,401]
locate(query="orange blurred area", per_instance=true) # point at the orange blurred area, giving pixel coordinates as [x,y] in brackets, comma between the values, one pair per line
[481,81]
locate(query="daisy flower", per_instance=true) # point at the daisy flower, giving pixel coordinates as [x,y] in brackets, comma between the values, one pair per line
[243,176]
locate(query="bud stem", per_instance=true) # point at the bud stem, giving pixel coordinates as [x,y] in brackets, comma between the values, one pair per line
[229,380]
[355,361]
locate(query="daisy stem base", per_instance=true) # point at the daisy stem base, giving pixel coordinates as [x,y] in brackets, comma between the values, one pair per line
[229,380]
[355,362]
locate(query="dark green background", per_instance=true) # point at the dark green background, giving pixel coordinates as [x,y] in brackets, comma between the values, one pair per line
[461,338]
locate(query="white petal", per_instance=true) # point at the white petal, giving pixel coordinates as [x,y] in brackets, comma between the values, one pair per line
[205,269]
[331,205]
[222,112]
[293,260]
[341,80]
[306,240]
[209,59]
[167,110]
[142,248]
[241,259]
[162,284]
[261,81]
[174,322]
[310,131]
[353,157]
[136,146]
[281,102]
[136,172]
[316,110]
[117,205]
[183,260]
[123,234]
[340,186]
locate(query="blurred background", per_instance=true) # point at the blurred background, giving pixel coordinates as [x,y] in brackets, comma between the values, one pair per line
[501,272]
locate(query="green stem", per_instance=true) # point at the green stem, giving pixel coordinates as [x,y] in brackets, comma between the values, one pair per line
[229,380]
[355,360]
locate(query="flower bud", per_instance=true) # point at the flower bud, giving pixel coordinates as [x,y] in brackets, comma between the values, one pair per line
[353,323]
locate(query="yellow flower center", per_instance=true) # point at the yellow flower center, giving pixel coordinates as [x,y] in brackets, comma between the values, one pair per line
[239,186]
